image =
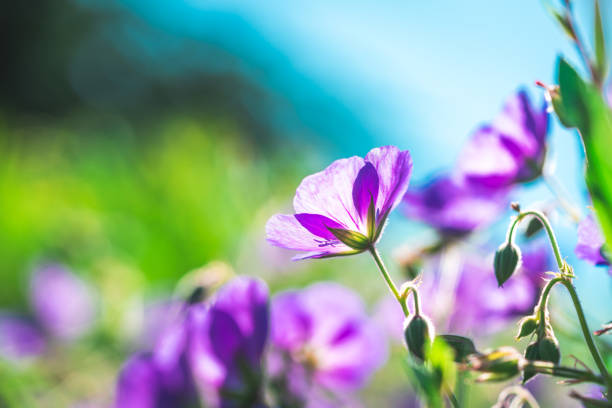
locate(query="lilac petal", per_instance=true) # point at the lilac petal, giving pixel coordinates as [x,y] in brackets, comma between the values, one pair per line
[486,162]
[590,242]
[286,231]
[63,303]
[137,386]
[19,339]
[318,225]
[292,325]
[394,168]
[330,192]
[365,190]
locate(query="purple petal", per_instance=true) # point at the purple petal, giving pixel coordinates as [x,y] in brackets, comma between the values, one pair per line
[19,339]
[394,168]
[63,303]
[330,192]
[365,190]
[590,242]
[452,207]
[138,385]
[486,161]
[286,231]
[318,225]
[226,338]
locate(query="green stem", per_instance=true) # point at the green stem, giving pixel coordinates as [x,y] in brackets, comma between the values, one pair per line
[453,399]
[549,231]
[544,299]
[587,333]
[385,274]
[561,371]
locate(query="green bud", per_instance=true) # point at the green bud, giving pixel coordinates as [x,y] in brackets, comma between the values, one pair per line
[352,239]
[533,227]
[497,365]
[418,332]
[507,259]
[527,325]
[549,349]
[532,353]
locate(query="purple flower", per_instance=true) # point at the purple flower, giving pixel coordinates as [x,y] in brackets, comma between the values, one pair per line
[160,378]
[591,242]
[511,149]
[62,302]
[453,208]
[342,209]
[19,339]
[227,344]
[322,342]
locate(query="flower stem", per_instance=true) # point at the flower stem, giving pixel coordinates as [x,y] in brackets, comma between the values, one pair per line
[387,277]
[549,231]
[561,371]
[587,333]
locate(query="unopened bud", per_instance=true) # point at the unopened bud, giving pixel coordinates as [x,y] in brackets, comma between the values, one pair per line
[527,325]
[549,349]
[506,261]
[533,227]
[418,332]
[496,365]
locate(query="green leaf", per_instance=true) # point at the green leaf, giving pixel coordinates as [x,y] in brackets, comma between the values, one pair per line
[353,239]
[462,346]
[583,107]
[601,58]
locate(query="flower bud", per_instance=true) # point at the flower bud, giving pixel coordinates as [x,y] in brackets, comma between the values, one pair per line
[353,239]
[549,349]
[532,353]
[527,325]
[418,332]
[496,365]
[507,259]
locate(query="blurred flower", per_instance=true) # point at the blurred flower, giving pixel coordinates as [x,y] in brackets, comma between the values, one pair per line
[468,299]
[452,207]
[511,149]
[19,339]
[342,209]
[322,342]
[62,302]
[227,344]
[591,242]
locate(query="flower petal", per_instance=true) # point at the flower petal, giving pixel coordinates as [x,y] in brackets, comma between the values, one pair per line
[394,168]
[590,242]
[330,192]
[286,231]
[365,190]
[318,225]
[486,161]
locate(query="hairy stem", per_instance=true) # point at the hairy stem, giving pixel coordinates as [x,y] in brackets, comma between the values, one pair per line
[387,277]
[549,232]
[543,367]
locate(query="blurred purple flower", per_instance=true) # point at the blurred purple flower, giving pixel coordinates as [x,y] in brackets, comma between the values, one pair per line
[483,307]
[228,342]
[591,242]
[339,197]
[453,208]
[511,149]
[468,300]
[322,341]
[62,302]
[19,339]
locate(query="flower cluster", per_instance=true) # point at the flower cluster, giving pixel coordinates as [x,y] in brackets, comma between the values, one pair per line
[312,345]
[509,150]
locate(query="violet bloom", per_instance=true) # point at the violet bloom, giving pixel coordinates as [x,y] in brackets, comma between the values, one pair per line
[160,378]
[62,302]
[482,306]
[453,208]
[342,209]
[19,339]
[227,344]
[322,342]
[511,149]
[591,242]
